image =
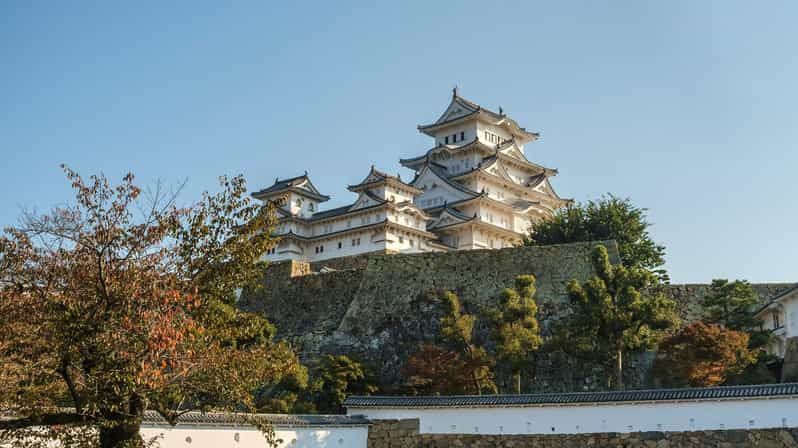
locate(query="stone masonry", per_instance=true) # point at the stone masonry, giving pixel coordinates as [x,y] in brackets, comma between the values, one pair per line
[404,434]
[378,307]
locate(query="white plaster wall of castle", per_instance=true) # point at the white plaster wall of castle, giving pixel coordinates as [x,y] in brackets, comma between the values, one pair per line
[390,193]
[349,243]
[301,206]
[456,135]
[518,175]
[214,436]
[781,318]
[492,135]
[406,242]
[623,418]
[437,193]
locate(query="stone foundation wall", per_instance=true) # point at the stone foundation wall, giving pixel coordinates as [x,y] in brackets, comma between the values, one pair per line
[382,312]
[394,434]
[404,434]
[377,307]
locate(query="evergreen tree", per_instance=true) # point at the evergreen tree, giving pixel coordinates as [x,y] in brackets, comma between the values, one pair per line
[614,314]
[608,218]
[336,378]
[515,328]
[731,304]
[457,328]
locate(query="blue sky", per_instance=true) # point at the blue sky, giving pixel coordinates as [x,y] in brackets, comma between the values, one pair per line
[688,108]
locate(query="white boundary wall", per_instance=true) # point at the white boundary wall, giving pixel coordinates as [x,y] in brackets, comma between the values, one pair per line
[220,436]
[595,417]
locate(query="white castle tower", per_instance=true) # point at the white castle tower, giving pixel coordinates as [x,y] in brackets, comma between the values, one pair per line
[475,189]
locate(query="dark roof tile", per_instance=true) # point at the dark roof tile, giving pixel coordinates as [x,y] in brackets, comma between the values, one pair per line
[709,393]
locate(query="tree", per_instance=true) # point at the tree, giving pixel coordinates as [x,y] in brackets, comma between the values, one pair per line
[289,396]
[119,303]
[515,328]
[608,218]
[614,314]
[730,304]
[337,377]
[702,355]
[434,370]
[457,329]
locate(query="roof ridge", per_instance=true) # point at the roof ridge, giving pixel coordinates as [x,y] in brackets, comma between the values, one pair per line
[716,392]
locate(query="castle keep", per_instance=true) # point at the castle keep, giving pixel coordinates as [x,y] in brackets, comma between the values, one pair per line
[474,189]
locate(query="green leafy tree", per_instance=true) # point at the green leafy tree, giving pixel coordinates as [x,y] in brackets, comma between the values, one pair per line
[608,218]
[290,396]
[457,329]
[336,378]
[119,303]
[731,304]
[614,315]
[515,328]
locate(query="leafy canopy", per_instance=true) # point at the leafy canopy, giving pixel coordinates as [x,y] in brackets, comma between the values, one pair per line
[614,313]
[123,302]
[608,218]
[457,329]
[702,355]
[433,370]
[515,328]
[337,377]
[731,305]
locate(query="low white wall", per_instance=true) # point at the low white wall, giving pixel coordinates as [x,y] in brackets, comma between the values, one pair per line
[629,417]
[213,436]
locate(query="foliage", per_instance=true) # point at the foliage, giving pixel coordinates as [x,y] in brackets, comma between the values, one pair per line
[613,314]
[608,218]
[731,304]
[433,370]
[457,329]
[336,378]
[702,355]
[515,328]
[123,302]
[289,396]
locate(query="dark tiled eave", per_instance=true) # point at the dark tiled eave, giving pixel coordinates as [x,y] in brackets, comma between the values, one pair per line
[240,419]
[581,398]
[777,297]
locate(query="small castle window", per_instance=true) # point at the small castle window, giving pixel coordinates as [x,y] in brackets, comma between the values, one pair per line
[311,206]
[340,244]
[446,139]
[462,136]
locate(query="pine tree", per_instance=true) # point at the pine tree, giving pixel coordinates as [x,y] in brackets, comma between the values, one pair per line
[614,315]
[515,328]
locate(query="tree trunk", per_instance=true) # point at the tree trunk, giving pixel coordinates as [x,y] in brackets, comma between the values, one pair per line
[517,382]
[123,431]
[619,370]
[477,383]
[121,434]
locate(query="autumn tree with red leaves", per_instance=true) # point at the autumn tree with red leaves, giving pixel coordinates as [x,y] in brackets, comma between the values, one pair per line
[702,355]
[124,302]
[434,370]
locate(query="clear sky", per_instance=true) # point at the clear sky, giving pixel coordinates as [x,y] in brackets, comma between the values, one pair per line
[687,107]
